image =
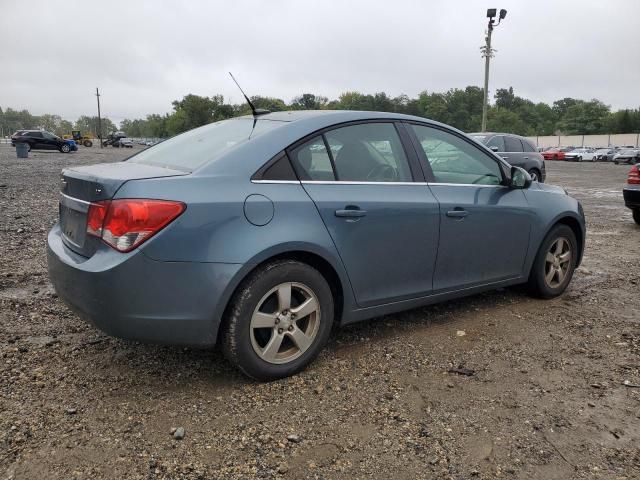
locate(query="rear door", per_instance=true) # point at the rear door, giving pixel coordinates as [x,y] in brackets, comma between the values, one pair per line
[384,223]
[484,229]
[514,152]
[36,140]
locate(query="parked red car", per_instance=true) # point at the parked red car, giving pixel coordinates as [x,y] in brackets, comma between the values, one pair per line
[631,192]
[553,154]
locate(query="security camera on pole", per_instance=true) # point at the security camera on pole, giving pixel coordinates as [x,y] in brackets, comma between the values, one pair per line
[487,53]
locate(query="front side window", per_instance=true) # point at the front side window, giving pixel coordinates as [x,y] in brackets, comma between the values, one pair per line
[35,134]
[312,161]
[454,160]
[369,152]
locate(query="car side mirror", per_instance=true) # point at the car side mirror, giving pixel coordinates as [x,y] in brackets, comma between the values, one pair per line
[494,148]
[520,178]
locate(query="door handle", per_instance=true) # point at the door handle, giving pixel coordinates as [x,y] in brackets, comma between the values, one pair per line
[457,213]
[506,158]
[526,158]
[351,212]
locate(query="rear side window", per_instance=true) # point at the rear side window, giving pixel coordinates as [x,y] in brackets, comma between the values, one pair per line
[312,161]
[512,144]
[498,142]
[196,147]
[528,147]
[369,152]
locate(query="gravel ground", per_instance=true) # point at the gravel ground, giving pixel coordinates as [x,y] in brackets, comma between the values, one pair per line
[539,391]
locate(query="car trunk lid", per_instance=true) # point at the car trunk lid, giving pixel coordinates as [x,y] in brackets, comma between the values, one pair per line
[80,186]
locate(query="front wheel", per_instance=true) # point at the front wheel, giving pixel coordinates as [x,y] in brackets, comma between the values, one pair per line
[636,215]
[278,320]
[65,148]
[534,174]
[554,264]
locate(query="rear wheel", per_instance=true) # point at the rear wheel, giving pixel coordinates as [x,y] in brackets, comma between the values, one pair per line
[636,215]
[555,262]
[88,143]
[278,321]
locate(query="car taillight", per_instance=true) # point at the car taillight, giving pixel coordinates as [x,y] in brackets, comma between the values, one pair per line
[125,223]
[634,175]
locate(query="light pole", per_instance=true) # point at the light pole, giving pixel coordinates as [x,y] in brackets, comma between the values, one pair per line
[487,53]
[99,119]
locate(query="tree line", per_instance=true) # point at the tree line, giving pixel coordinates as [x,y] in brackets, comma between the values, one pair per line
[461,108]
[12,120]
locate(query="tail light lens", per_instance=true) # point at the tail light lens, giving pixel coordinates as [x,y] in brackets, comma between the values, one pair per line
[634,175]
[126,223]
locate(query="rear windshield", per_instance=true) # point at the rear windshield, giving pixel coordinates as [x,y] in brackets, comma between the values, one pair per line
[194,148]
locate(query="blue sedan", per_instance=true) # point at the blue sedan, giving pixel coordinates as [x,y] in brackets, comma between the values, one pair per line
[261,233]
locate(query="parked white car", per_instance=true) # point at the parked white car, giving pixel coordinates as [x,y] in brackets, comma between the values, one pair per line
[580,154]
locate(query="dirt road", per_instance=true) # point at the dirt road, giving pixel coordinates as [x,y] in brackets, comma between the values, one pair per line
[541,394]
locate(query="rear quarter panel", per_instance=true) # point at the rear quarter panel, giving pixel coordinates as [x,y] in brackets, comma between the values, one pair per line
[214,228]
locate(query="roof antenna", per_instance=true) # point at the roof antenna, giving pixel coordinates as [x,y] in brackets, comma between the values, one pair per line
[255,111]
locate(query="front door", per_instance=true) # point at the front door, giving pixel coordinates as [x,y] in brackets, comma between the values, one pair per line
[484,226]
[384,225]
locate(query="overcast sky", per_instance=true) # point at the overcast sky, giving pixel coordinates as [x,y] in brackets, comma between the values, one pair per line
[144,54]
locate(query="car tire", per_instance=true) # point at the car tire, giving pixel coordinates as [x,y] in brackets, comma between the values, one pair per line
[636,215]
[552,269]
[267,351]
[535,174]
[65,148]
[579,159]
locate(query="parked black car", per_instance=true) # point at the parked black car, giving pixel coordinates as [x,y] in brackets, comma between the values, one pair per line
[516,150]
[43,140]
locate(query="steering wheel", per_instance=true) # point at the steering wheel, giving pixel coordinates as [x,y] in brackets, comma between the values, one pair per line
[383,172]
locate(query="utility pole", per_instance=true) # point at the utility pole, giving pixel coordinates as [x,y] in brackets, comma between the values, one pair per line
[99,119]
[487,53]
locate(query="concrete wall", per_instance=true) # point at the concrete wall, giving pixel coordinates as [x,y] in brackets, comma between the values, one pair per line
[618,139]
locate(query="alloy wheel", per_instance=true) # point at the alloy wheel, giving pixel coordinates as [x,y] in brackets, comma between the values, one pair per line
[285,323]
[557,262]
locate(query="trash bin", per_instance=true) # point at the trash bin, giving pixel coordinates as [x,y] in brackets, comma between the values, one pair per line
[22,150]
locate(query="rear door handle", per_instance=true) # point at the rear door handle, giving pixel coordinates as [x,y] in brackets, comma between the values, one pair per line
[351,212]
[526,158]
[457,213]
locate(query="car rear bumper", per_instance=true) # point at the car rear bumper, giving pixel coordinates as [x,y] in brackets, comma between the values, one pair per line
[631,196]
[134,297]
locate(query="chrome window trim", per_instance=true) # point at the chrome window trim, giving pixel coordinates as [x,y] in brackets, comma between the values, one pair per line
[296,182]
[347,182]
